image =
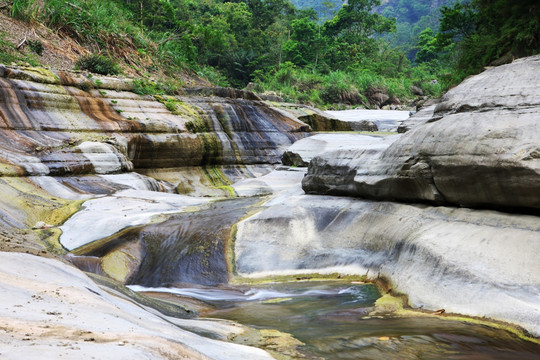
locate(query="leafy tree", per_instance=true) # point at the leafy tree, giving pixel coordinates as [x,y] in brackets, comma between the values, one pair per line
[355,22]
[353,30]
[514,25]
[490,31]
[457,23]
[427,46]
[302,46]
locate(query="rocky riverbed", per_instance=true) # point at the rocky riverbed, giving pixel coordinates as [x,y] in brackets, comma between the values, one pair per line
[171,191]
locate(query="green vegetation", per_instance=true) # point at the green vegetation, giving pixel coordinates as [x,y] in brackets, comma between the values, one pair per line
[481,33]
[98,64]
[9,53]
[36,46]
[144,86]
[412,16]
[335,53]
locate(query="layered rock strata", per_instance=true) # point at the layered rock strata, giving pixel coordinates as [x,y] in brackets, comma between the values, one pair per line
[83,158]
[67,137]
[60,124]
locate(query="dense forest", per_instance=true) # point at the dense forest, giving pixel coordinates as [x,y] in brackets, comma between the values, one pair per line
[326,54]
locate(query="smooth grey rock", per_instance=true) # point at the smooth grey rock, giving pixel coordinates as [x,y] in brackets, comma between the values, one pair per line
[473,262]
[480,149]
[302,151]
[280,180]
[104,216]
[364,125]
[417,91]
[419,118]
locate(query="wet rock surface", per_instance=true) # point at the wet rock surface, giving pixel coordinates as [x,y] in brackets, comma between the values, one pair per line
[83,161]
[127,180]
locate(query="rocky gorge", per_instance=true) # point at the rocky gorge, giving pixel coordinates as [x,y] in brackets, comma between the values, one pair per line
[163,191]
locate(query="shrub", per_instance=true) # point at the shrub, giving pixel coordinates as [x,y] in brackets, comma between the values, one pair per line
[36,46]
[98,64]
[144,86]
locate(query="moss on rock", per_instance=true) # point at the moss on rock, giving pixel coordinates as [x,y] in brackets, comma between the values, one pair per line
[280,345]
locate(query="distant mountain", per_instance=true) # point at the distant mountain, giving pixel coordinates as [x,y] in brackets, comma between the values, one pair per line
[412,16]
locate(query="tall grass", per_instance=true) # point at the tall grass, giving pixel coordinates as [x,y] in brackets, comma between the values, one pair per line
[9,53]
[101,22]
[23,9]
[346,87]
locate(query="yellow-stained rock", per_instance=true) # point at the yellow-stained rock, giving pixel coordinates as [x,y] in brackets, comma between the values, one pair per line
[121,263]
[281,345]
[388,304]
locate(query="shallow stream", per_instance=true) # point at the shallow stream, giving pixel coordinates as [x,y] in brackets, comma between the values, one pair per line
[333,320]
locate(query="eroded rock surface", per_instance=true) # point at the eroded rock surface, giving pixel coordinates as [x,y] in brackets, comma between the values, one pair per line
[70,137]
[474,262]
[480,149]
[59,124]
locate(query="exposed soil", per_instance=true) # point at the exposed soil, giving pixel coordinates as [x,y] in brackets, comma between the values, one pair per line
[58,52]
[61,52]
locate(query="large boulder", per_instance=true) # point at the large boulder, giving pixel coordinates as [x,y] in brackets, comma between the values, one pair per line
[480,149]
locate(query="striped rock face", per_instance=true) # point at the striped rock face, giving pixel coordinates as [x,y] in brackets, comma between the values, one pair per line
[60,124]
[67,138]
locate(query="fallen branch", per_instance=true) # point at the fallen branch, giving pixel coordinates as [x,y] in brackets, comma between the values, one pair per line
[22,43]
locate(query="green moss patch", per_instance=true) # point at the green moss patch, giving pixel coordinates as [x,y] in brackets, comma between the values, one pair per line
[280,345]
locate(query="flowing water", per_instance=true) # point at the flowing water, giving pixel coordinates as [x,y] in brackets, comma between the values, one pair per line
[333,320]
